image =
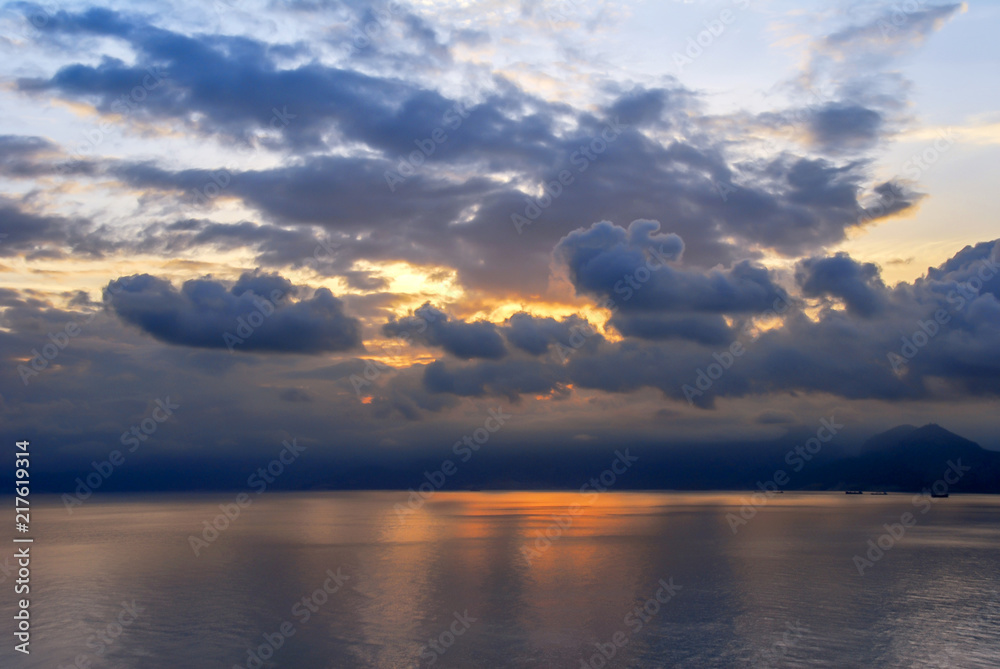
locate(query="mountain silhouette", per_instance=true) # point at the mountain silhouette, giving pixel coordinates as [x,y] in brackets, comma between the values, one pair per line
[902,459]
[913,458]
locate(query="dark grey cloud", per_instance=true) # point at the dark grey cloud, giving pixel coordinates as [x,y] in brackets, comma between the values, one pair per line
[710,329]
[93,20]
[10,297]
[644,107]
[509,379]
[335,372]
[19,153]
[835,128]
[536,335]
[35,235]
[347,196]
[303,103]
[630,267]
[431,326]
[859,285]
[843,127]
[257,313]
[275,246]
[23,232]
[965,266]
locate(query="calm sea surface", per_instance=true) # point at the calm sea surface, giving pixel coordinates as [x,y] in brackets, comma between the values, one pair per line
[465,581]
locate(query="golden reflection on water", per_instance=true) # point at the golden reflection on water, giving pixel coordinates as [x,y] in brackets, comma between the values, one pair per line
[547,575]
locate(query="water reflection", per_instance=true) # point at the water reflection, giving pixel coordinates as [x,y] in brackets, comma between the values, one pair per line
[537,582]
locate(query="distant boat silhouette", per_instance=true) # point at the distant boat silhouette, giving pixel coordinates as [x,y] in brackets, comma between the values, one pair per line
[853,492]
[938,494]
[878,492]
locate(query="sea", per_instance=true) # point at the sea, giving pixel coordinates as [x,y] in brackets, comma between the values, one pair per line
[568,580]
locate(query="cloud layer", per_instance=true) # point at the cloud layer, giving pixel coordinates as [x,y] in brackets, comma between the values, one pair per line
[421,225]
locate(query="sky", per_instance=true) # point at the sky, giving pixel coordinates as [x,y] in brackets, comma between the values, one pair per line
[365,226]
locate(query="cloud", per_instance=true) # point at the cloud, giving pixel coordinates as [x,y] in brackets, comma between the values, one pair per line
[347,129]
[18,154]
[256,313]
[854,60]
[711,200]
[859,285]
[709,329]
[294,395]
[510,378]
[35,235]
[536,335]
[629,269]
[838,127]
[842,353]
[889,31]
[644,107]
[308,106]
[430,326]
